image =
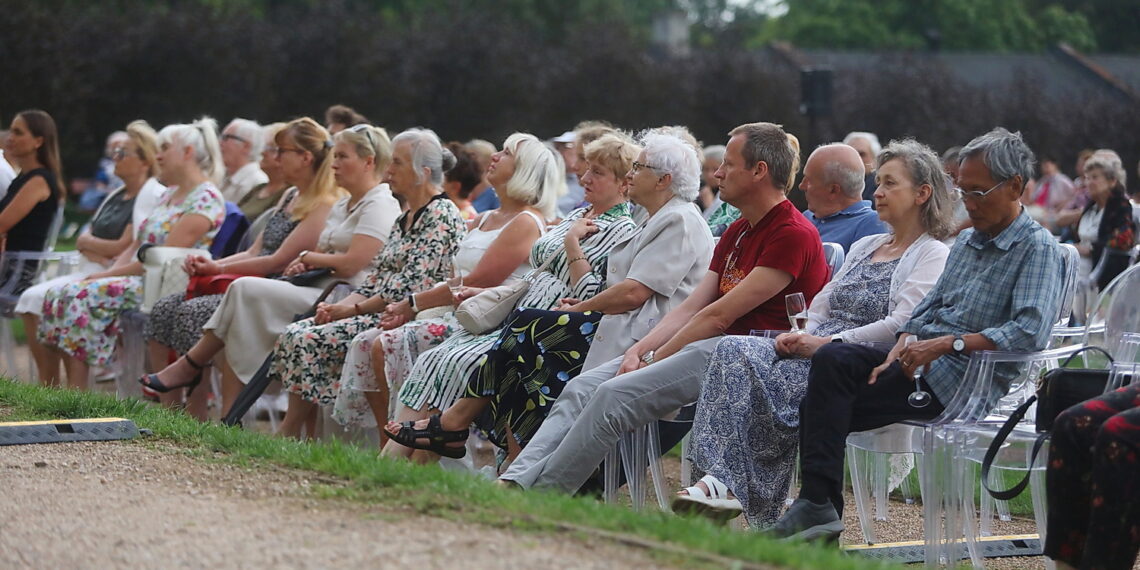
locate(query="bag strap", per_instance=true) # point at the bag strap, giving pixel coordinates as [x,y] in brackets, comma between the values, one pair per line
[995,446]
[1065,364]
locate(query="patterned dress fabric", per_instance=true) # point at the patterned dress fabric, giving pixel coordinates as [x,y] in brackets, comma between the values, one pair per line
[440,375]
[1092,486]
[82,318]
[746,427]
[177,322]
[308,357]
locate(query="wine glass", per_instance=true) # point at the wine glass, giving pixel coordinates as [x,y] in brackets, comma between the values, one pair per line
[919,398]
[797,311]
[455,283]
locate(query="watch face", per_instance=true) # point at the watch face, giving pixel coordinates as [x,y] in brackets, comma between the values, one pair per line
[959,345]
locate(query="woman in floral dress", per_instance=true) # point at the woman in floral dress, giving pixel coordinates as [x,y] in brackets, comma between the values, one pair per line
[746,426]
[309,353]
[588,234]
[81,319]
[529,181]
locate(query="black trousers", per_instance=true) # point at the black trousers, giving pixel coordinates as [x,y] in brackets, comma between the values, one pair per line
[839,401]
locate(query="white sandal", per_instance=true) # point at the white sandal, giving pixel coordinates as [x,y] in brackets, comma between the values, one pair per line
[716,505]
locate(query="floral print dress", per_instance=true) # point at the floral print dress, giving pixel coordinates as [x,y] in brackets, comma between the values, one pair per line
[82,318]
[308,357]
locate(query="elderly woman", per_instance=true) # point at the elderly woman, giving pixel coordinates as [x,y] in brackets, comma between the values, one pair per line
[746,425]
[254,310]
[309,353]
[495,251]
[81,319]
[34,197]
[538,351]
[1106,228]
[268,195]
[577,250]
[111,231]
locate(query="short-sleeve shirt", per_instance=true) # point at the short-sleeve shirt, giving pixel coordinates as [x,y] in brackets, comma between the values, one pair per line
[783,239]
[848,225]
[204,200]
[372,216]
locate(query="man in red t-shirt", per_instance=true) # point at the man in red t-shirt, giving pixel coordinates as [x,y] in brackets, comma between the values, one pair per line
[770,252]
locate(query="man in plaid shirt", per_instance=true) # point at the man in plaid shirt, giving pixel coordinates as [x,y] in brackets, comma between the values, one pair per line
[1000,291]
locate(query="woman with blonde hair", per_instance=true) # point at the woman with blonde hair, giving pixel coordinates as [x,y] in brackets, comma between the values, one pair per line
[81,319]
[255,310]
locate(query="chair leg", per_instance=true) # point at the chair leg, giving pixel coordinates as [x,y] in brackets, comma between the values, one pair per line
[610,475]
[857,461]
[653,456]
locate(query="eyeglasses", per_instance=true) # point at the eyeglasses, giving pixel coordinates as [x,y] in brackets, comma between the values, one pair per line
[228,136]
[282,150]
[363,128]
[119,153]
[270,150]
[637,166]
[975,195]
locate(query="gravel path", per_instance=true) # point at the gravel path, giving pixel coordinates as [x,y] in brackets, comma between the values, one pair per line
[126,505]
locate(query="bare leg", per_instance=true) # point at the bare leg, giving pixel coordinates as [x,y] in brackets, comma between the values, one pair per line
[181,372]
[403,414]
[78,373]
[297,415]
[381,399]
[197,401]
[231,384]
[47,359]
[158,355]
[311,422]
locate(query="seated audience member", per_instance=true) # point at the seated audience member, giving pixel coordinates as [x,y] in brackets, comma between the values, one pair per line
[241,143]
[745,430]
[461,180]
[80,319]
[483,197]
[310,353]
[573,198]
[708,200]
[1106,228]
[341,117]
[268,195]
[495,252]
[254,311]
[111,232]
[577,250]
[833,186]
[770,252]
[726,213]
[34,197]
[104,179]
[1052,193]
[868,147]
[294,226]
[1091,483]
[538,351]
[1000,291]
[7,173]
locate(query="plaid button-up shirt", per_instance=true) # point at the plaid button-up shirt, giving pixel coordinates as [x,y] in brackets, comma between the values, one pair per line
[1007,288]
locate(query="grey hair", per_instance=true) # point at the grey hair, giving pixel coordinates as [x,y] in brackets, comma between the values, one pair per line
[851,181]
[1005,154]
[871,138]
[924,167]
[1110,164]
[202,136]
[715,152]
[427,152]
[671,154]
[250,131]
[539,177]
[768,142]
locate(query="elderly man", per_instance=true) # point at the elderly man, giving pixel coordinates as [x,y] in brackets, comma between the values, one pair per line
[1000,291]
[241,143]
[868,147]
[833,185]
[770,252]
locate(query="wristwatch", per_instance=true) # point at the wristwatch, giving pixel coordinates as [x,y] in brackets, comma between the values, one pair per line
[302,255]
[647,357]
[959,344]
[837,338]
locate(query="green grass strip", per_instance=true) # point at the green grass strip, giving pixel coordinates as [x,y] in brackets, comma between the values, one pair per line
[428,489]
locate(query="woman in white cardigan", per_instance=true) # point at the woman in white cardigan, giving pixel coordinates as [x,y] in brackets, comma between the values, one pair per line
[747,420]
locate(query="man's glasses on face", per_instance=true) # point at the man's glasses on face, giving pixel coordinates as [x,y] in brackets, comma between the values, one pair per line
[975,195]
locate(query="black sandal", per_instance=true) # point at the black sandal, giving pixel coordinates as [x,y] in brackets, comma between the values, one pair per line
[152,382]
[437,437]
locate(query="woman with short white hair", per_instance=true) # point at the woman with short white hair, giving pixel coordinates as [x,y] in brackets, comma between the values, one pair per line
[648,273]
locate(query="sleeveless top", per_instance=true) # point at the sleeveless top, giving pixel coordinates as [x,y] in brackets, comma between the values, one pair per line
[31,233]
[472,248]
[113,215]
[278,227]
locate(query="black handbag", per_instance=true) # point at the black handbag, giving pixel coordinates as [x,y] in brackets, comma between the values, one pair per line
[310,278]
[1058,390]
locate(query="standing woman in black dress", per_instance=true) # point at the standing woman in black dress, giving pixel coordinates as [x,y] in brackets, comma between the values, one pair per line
[34,197]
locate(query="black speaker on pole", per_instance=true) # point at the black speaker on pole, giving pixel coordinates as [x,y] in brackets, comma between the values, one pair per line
[815,91]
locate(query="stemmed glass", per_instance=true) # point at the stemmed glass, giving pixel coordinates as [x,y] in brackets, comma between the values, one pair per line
[919,398]
[797,311]
[455,283]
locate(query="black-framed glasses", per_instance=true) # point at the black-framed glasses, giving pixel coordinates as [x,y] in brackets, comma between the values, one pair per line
[975,195]
[282,150]
[363,128]
[229,136]
[637,166]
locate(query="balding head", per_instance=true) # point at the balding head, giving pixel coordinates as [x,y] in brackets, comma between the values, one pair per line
[833,179]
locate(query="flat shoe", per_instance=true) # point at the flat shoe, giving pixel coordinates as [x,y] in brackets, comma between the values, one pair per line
[717,505]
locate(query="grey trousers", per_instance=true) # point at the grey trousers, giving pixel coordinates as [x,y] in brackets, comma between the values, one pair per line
[596,408]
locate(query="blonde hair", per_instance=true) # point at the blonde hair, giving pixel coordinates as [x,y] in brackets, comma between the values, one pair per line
[615,151]
[146,139]
[368,141]
[538,179]
[791,183]
[202,136]
[311,137]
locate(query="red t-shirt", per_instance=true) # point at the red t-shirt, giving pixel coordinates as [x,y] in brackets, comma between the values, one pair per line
[783,239]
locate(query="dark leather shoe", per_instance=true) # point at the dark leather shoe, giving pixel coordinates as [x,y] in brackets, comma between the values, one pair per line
[807,521]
